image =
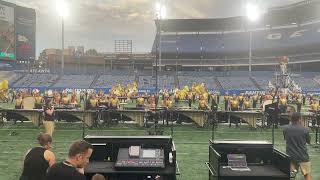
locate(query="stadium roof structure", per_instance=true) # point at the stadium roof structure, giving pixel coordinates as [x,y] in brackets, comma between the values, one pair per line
[296,13]
[201,25]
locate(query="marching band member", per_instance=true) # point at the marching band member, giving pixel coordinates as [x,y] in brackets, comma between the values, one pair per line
[114,102]
[19,102]
[299,103]
[314,107]
[254,100]
[190,96]
[82,96]
[226,101]
[203,103]
[283,103]
[140,102]
[38,101]
[48,122]
[65,99]
[152,102]
[56,98]
[93,102]
[234,106]
[240,99]
[74,99]
[234,103]
[247,103]
[104,101]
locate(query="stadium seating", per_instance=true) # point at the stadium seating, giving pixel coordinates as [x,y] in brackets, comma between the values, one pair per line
[164,82]
[74,81]
[146,82]
[237,83]
[10,76]
[190,80]
[265,43]
[263,82]
[107,81]
[307,84]
[36,80]
[234,80]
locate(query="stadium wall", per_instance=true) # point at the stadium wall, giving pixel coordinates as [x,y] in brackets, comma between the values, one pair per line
[150,90]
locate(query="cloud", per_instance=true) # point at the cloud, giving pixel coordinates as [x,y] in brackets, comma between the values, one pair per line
[97,23]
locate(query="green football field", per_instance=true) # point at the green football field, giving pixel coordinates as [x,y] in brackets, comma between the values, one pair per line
[191,143]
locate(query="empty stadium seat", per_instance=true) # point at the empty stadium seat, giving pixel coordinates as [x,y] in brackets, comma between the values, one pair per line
[36,80]
[74,81]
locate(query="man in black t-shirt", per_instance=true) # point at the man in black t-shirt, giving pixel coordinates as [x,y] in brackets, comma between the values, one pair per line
[38,159]
[73,167]
[48,112]
[297,137]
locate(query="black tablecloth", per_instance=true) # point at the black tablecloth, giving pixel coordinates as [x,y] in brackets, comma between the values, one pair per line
[108,168]
[256,171]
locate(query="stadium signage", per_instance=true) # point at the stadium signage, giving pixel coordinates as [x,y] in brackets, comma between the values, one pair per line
[7,55]
[255,92]
[69,90]
[278,35]
[39,71]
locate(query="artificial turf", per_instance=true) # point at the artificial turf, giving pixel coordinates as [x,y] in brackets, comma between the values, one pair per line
[191,143]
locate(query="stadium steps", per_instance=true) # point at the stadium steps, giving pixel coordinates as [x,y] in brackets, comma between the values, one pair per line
[96,77]
[219,86]
[256,83]
[136,78]
[176,81]
[59,77]
[17,80]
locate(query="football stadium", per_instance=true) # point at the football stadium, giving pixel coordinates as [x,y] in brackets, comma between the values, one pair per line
[214,98]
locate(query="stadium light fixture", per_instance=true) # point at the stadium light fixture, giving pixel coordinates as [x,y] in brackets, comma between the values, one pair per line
[253,12]
[161,11]
[62,8]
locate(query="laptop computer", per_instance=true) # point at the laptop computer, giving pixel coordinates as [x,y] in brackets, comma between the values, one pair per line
[238,162]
